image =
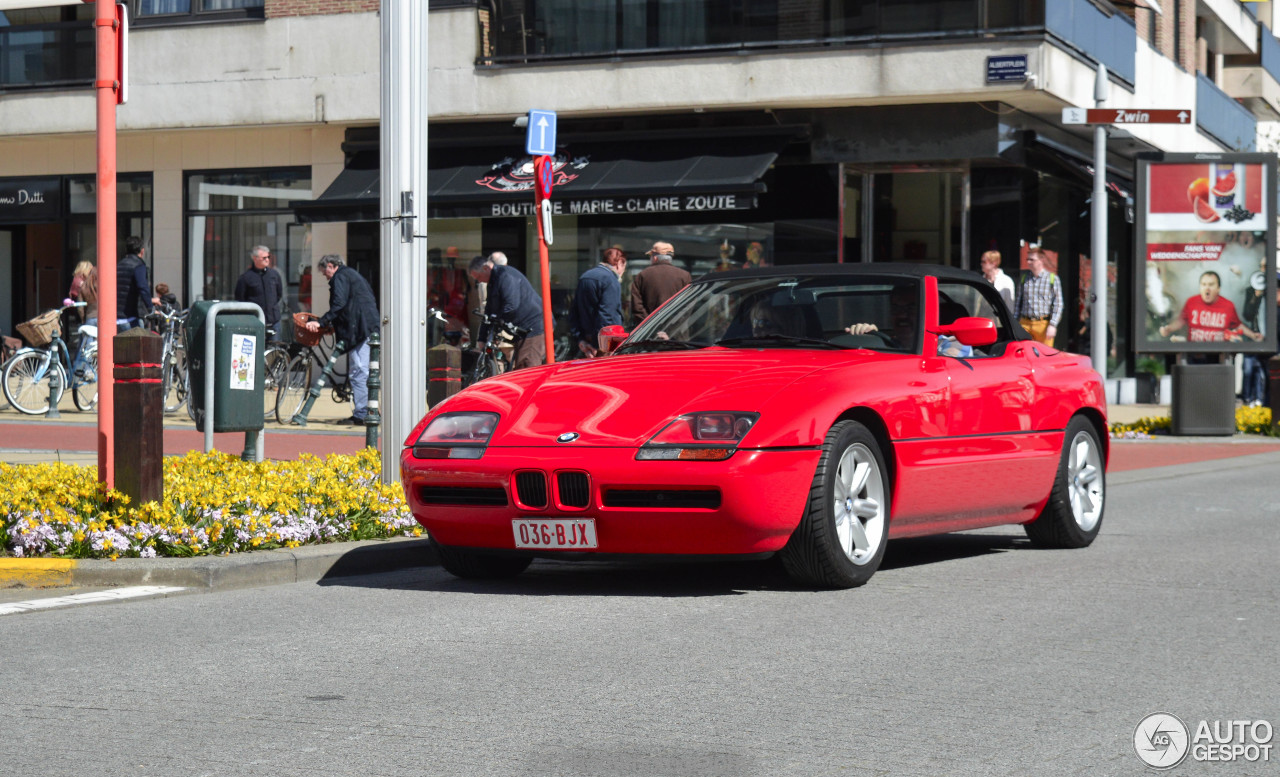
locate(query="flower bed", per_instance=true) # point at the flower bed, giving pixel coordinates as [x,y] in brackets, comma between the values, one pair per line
[1250,420]
[214,503]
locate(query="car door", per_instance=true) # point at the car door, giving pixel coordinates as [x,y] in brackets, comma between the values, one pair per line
[989,460]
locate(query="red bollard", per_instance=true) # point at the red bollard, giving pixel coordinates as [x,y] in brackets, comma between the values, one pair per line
[139,415]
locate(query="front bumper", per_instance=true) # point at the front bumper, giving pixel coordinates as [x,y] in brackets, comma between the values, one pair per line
[762,495]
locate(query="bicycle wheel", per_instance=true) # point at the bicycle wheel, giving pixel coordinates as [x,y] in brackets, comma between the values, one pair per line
[292,391]
[275,366]
[173,381]
[84,390]
[27,378]
[486,367]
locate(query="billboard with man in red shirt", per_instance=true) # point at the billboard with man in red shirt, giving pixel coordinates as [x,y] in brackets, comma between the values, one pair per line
[1206,224]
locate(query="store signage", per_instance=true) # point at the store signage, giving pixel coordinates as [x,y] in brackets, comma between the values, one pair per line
[30,200]
[1205,275]
[1126,116]
[613,206]
[1008,68]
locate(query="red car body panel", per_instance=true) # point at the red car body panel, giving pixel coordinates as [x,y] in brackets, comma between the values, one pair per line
[972,442]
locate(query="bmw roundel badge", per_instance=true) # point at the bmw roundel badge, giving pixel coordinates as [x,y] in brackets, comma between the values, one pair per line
[567,437]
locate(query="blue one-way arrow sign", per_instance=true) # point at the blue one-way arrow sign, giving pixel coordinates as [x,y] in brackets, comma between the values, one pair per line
[541,138]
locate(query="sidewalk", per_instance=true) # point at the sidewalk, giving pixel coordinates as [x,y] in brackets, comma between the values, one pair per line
[73,438]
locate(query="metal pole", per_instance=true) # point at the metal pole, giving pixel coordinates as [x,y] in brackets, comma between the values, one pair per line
[374,417]
[1098,311]
[105,90]
[403,236]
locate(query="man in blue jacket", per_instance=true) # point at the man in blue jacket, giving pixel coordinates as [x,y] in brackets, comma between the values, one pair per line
[353,314]
[597,303]
[512,299]
[133,292]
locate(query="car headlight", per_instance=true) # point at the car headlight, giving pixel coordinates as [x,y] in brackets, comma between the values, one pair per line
[456,436]
[699,437]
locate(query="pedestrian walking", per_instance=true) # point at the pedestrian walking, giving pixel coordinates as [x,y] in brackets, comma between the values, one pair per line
[658,282]
[261,285]
[597,302]
[511,298]
[353,314]
[1039,304]
[133,291]
[996,277]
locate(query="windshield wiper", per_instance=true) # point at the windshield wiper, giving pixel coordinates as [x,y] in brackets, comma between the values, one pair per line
[657,344]
[776,339]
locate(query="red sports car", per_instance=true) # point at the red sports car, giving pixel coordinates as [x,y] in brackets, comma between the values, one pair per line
[810,411]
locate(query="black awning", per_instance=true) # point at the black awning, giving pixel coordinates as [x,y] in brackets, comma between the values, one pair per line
[600,177]
[353,196]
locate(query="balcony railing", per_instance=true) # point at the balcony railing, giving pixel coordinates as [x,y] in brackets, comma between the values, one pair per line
[45,56]
[1111,40]
[1224,119]
[519,31]
[1270,49]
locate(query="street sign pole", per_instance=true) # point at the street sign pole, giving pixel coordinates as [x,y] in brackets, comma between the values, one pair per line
[106,84]
[1098,313]
[544,169]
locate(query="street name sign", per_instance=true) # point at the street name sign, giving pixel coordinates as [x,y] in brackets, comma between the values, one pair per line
[1126,116]
[1007,68]
[541,137]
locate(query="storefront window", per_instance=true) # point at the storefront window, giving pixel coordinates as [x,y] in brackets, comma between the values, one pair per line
[914,216]
[133,217]
[230,212]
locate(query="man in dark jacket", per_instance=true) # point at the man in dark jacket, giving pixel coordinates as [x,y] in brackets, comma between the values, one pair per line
[597,303]
[512,299]
[353,314]
[261,285]
[658,282]
[133,292]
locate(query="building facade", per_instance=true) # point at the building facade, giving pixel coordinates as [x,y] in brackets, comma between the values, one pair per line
[764,131]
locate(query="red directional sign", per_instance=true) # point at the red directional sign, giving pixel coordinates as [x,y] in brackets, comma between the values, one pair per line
[1126,116]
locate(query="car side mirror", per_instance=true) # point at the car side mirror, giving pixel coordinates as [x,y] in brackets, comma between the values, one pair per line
[611,337]
[971,330]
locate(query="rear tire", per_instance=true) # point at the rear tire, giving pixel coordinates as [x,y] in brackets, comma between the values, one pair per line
[292,391]
[85,394]
[478,565]
[486,367]
[841,538]
[26,382]
[1073,515]
[275,366]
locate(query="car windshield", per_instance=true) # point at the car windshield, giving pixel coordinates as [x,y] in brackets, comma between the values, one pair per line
[818,311]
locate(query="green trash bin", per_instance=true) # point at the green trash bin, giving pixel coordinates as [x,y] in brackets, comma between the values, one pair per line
[237,362]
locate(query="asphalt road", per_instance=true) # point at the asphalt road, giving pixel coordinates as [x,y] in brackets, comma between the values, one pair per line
[966,655]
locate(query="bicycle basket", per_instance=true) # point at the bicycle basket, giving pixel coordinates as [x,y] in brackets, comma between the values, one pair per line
[304,336]
[41,330]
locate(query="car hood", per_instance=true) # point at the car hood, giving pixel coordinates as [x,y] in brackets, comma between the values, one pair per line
[622,401]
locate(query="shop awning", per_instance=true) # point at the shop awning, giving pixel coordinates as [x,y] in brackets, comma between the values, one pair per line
[591,178]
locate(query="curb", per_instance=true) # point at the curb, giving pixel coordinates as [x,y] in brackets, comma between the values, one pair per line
[251,569]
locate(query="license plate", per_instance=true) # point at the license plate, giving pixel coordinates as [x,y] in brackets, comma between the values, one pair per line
[555,534]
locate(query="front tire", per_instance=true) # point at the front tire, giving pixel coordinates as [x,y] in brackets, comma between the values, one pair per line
[26,381]
[293,388]
[477,565]
[841,538]
[1073,515]
[85,393]
[275,367]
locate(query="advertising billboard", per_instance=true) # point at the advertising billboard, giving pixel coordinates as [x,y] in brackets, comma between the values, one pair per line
[1206,254]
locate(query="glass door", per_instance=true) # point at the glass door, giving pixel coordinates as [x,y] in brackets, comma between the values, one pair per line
[906,214]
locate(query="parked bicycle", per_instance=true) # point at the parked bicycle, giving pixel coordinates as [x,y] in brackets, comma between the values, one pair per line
[489,357]
[311,353]
[40,371]
[275,361]
[174,385]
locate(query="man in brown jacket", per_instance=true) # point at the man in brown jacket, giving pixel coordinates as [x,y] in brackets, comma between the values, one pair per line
[658,282]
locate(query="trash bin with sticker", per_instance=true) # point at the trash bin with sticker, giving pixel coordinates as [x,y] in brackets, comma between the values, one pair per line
[236,361]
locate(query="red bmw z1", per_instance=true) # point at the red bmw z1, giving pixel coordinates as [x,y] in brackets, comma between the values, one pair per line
[815,412]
